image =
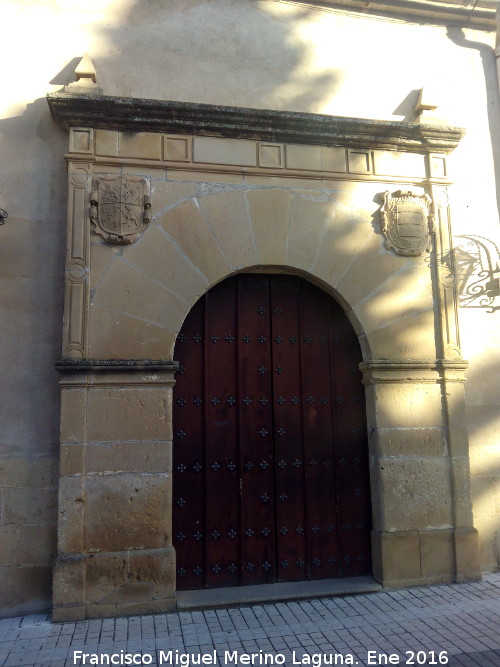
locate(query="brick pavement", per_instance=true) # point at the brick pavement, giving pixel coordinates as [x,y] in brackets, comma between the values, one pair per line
[461,620]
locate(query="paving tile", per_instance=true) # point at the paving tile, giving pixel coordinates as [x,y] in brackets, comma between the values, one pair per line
[461,619]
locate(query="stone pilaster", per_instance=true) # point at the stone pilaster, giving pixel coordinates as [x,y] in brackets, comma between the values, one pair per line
[422,519]
[115,553]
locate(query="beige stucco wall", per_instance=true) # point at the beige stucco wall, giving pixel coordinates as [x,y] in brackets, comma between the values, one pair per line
[256,54]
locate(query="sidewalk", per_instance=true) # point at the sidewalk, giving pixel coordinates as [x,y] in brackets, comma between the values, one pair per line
[455,624]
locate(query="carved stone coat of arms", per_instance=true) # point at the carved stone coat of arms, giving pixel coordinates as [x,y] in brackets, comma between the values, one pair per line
[407,222]
[119,207]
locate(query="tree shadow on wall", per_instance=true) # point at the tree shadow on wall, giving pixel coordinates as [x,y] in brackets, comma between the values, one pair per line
[225,52]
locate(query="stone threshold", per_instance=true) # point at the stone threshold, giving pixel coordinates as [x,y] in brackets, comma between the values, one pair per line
[298,590]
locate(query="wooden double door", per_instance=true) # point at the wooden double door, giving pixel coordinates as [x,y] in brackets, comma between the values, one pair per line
[270,470]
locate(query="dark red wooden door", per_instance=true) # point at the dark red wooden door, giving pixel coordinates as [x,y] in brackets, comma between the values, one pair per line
[270,456]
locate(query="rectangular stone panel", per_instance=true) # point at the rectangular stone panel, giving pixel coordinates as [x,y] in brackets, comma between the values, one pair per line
[307,158]
[333,159]
[177,148]
[437,165]
[359,162]
[394,163]
[224,151]
[106,142]
[144,145]
[81,140]
[271,155]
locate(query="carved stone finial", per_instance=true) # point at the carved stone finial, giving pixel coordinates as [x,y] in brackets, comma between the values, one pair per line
[407,222]
[425,107]
[86,81]
[119,207]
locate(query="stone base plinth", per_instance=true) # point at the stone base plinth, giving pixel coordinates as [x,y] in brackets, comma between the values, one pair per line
[104,585]
[418,558]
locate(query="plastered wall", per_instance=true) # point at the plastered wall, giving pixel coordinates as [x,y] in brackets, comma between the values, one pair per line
[255,54]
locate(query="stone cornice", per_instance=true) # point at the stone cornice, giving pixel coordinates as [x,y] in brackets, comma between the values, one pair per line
[142,115]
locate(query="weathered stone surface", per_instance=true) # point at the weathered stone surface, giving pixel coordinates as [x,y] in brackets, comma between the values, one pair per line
[129,413]
[37,545]
[71,513]
[127,511]
[158,258]
[110,577]
[72,459]
[468,562]
[28,473]
[409,441]
[188,227]
[415,493]
[406,339]
[121,336]
[437,554]
[69,581]
[139,114]
[9,539]
[486,503]
[396,556]
[73,415]
[139,457]
[346,234]
[123,291]
[101,256]
[25,590]
[398,298]
[308,221]
[269,212]
[407,405]
[227,215]
[29,505]
[165,194]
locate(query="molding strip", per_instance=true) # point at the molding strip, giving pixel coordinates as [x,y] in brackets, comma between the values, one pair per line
[143,115]
[115,366]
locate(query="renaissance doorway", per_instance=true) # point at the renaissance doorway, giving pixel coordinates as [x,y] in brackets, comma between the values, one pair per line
[270,469]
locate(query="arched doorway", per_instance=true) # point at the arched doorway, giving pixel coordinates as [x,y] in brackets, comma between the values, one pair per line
[270,456]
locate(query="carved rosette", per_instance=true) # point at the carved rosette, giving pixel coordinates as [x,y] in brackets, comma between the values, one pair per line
[119,207]
[407,222]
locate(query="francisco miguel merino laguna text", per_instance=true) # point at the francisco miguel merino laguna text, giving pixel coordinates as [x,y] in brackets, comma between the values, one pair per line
[229,657]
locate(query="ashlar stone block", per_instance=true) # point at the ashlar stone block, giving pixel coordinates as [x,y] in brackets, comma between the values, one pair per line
[127,511]
[123,336]
[123,290]
[309,220]
[415,493]
[189,228]
[269,211]
[160,259]
[228,217]
[129,413]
